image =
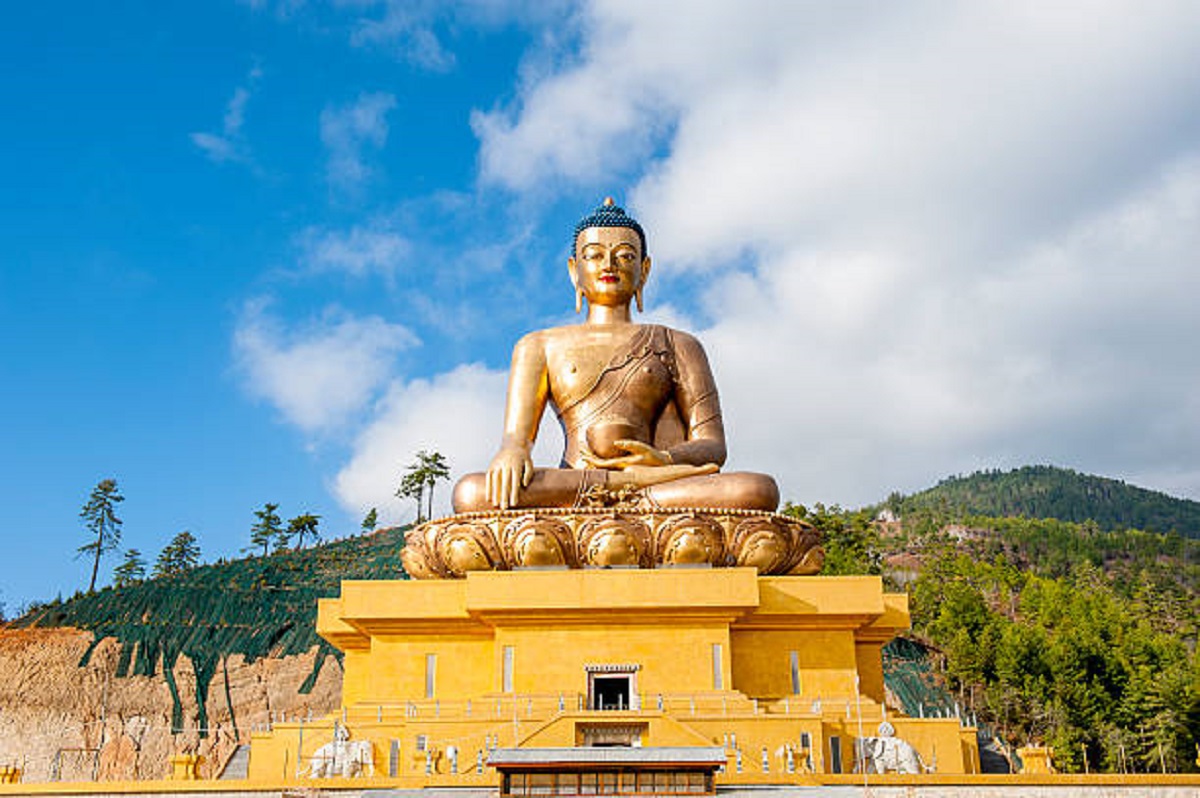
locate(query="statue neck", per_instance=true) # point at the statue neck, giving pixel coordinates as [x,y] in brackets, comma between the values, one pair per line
[605,314]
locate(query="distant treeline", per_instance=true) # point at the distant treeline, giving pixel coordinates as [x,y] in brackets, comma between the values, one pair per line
[1049,631]
[1050,492]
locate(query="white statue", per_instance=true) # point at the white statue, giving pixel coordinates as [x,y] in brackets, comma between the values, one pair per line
[342,757]
[887,753]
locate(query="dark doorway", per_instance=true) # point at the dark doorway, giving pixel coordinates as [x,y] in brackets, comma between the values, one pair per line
[611,692]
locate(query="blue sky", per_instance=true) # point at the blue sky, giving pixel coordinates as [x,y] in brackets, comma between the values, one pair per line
[265,251]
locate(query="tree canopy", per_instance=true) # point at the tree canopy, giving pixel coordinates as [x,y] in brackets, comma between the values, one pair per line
[100,518]
[181,554]
[267,530]
[131,570]
[419,480]
[302,526]
[1049,631]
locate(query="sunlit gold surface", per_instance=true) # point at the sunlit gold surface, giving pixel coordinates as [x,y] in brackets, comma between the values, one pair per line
[637,403]
[608,537]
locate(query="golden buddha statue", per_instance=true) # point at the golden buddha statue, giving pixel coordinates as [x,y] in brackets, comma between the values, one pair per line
[639,483]
[637,402]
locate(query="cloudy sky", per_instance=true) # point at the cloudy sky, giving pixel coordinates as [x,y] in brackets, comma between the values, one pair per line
[265,251]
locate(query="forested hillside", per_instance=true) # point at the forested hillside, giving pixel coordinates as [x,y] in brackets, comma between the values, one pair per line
[1049,492]
[255,607]
[1048,630]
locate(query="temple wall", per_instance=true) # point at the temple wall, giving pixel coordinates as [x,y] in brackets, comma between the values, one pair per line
[762,662]
[868,659]
[553,658]
[396,671]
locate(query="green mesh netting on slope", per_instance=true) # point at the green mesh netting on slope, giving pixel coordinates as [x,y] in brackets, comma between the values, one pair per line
[908,673]
[256,607]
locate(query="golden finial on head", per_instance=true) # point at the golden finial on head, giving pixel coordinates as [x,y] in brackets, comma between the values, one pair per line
[608,202]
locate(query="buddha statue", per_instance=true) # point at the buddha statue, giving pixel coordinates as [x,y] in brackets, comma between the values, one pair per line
[637,402]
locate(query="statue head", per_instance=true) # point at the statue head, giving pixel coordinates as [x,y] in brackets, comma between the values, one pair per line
[608,264]
[608,214]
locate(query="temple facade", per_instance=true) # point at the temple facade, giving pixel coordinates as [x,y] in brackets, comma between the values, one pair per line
[575,681]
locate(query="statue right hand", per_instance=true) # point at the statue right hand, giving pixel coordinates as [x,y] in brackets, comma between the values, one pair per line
[511,470]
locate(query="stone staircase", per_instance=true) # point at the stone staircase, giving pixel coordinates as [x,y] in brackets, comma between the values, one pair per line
[238,765]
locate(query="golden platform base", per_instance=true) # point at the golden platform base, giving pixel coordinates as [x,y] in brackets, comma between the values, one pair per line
[581,537]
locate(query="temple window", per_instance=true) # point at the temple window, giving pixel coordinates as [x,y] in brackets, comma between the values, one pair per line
[507,673]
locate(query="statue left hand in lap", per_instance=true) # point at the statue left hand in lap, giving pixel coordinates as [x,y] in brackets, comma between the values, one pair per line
[637,403]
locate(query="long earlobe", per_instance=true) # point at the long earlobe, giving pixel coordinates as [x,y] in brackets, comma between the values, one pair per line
[575,283]
[637,296]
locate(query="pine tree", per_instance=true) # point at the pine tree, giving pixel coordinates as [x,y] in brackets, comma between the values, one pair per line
[267,530]
[370,521]
[302,525]
[435,469]
[100,518]
[412,486]
[419,480]
[181,554]
[131,571]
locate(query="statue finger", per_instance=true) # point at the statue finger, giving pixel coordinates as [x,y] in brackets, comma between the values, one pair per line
[501,497]
[514,488]
[594,461]
[510,488]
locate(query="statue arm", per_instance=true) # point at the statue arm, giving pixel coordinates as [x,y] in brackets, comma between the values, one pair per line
[528,388]
[699,405]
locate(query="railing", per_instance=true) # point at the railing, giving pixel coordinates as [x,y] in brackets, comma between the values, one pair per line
[530,706]
[521,706]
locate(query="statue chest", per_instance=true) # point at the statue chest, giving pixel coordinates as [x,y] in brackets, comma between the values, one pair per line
[636,374]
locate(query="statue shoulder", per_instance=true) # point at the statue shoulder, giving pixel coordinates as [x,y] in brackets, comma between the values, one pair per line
[684,343]
[531,341]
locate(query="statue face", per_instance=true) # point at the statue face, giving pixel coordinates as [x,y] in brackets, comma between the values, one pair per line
[608,266]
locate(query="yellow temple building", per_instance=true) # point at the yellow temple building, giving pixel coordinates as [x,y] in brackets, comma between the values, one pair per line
[568,681]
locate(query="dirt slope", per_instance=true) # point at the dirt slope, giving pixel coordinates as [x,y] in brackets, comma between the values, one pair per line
[60,719]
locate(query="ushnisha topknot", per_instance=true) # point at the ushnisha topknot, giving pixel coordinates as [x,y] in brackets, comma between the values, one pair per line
[609,214]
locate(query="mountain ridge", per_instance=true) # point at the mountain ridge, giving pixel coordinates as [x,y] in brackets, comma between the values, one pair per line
[1045,491]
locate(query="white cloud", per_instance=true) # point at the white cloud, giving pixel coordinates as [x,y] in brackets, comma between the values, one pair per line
[230,143]
[459,413]
[414,30]
[404,27]
[348,130]
[219,149]
[321,374]
[847,379]
[933,239]
[359,251]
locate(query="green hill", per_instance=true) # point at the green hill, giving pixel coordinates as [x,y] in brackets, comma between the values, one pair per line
[256,607]
[1049,492]
[1044,629]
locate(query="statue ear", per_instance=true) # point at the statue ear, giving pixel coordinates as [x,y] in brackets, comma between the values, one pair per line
[637,295]
[573,270]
